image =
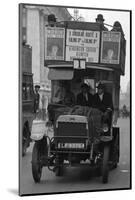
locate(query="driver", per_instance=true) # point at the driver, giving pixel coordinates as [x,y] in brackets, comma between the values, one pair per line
[85,98]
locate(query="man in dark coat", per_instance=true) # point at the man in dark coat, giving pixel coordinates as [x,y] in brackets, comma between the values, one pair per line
[36,98]
[101,20]
[103,101]
[85,98]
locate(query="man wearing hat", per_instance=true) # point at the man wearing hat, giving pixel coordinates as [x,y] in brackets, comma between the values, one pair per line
[85,98]
[102,99]
[51,20]
[36,98]
[101,20]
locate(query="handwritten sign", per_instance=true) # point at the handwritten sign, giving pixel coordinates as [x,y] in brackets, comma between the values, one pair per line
[110,47]
[82,44]
[54,43]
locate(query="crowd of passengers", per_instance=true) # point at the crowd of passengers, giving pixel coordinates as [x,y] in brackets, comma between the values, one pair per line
[101,100]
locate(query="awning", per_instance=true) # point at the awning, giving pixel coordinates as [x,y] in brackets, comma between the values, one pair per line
[60,74]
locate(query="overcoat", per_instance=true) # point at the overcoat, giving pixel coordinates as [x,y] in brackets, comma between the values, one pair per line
[82,101]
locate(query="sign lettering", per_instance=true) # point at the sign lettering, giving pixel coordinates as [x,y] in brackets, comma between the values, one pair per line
[82,45]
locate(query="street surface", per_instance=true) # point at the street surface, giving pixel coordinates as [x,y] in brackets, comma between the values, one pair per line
[77,178]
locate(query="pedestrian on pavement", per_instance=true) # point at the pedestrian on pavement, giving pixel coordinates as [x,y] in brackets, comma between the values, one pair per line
[36,98]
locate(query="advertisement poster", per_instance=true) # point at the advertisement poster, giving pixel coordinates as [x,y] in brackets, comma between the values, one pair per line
[82,44]
[54,43]
[110,48]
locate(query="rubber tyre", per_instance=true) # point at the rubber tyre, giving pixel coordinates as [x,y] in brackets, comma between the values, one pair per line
[24,148]
[105,165]
[26,140]
[36,166]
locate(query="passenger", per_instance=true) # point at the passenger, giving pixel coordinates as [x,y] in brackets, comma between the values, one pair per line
[101,20]
[36,98]
[85,98]
[103,101]
[117,27]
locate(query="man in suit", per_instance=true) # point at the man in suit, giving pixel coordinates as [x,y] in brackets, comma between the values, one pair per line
[36,98]
[103,101]
[85,98]
[101,20]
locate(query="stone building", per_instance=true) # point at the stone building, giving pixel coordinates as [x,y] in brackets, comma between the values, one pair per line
[34,20]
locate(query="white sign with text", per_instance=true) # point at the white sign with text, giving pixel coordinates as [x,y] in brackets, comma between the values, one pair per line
[82,44]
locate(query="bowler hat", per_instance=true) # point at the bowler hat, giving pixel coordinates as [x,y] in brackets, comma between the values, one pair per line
[52,18]
[101,86]
[37,86]
[100,17]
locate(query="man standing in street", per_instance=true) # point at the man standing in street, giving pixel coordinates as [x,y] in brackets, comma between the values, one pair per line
[36,98]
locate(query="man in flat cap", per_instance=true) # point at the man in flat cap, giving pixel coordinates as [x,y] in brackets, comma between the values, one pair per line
[101,20]
[84,98]
[36,98]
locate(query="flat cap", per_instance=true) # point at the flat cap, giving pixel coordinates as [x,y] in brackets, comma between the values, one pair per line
[37,86]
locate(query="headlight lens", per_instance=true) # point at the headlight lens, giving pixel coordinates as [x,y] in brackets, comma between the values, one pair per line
[105,128]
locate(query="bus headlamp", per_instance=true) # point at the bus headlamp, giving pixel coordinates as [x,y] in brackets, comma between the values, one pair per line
[105,128]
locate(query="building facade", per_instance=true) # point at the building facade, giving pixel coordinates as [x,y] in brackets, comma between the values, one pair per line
[35,18]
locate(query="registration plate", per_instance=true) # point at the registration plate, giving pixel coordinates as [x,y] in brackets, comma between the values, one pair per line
[71,145]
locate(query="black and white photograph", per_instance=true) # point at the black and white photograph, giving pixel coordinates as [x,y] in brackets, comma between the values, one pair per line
[54,43]
[110,44]
[74,99]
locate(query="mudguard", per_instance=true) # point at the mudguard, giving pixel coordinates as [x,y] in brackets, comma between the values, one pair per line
[38,130]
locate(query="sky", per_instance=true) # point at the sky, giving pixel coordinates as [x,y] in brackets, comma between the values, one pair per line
[110,17]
